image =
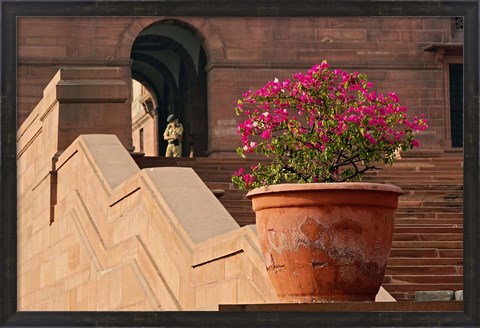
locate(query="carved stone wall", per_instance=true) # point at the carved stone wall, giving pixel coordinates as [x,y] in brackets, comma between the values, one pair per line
[389,50]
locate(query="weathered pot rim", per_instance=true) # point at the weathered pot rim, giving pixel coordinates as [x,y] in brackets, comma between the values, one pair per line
[361,186]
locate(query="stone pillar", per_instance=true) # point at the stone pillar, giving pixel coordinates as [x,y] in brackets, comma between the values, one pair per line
[93,100]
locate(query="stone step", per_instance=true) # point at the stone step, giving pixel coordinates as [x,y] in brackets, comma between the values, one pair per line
[402,166]
[428,244]
[436,295]
[452,197]
[404,171]
[394,179]
[429,209]
[423,279]
[198,162]
[424,180]
[227,186]
[434,261]
[414,172]
[449,191]
[396,287]
[403,296]
[244,214]
[243,208]
[233,192]
[438,237]
[427,230]
[411,205]
[226,175]
[429,215]
[232,197]
[425,252]
[437,197]
[245,222]
[441,212]
[240,210]
[402,161]
[239,201]
[429,203]
[413,270]
[447,186]
[418,166]
[409,222]
[425,152]
[436,194]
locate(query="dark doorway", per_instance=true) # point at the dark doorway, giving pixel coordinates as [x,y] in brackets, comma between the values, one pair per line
[456,104]
[169,59]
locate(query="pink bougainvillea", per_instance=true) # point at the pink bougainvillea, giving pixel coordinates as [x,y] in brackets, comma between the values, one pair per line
[322,126]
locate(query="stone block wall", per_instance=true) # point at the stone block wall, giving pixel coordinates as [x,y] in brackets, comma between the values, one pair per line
[96,233]
[389,50]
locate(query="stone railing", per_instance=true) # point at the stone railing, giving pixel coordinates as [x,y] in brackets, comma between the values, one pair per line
[156,238]
[98,233]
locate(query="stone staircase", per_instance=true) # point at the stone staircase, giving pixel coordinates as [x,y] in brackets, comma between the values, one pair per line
[427,252]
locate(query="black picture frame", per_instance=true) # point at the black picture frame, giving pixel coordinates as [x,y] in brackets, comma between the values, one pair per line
[12,9]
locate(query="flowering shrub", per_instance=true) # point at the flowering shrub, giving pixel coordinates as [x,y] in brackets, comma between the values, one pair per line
[325,126]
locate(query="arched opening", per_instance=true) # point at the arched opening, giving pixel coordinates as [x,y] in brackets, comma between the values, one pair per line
[169,62]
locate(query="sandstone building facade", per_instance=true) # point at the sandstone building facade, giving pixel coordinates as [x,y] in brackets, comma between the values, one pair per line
[196,67]
[120,242]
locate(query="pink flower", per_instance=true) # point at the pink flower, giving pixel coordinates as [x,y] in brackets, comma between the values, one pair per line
[324,65]
[248,179]
[266,134]
[393,96]
[353,118]
[247,94]
[370,138]
[330,115]
[239,172]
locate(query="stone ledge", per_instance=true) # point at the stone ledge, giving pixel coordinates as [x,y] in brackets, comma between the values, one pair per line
[401,306]
[435,295]
[459,295]
[423,152]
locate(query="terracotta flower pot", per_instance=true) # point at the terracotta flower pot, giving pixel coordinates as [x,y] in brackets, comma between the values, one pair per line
[325,242]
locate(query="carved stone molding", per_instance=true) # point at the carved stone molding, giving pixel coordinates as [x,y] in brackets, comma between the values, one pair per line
[444,49]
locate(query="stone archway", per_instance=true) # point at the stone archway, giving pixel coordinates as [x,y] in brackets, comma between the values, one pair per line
[168,59]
